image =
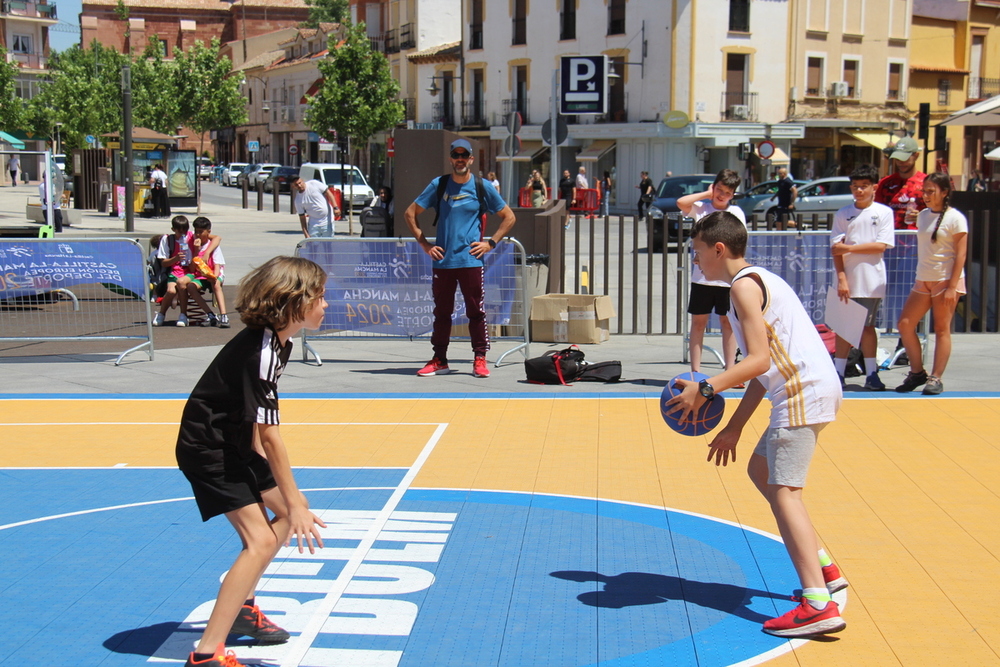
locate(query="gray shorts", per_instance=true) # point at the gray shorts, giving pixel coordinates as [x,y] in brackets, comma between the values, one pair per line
[788,450]
[872,304]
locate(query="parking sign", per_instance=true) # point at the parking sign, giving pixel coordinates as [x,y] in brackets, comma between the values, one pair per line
[584,85]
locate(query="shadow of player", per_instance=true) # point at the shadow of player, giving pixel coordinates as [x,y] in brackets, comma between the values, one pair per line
[630,589]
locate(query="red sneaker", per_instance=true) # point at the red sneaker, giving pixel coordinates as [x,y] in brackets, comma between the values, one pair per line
[253,623]
[480,368]
[228,659]
[834,580]
[805,620]
[434,367]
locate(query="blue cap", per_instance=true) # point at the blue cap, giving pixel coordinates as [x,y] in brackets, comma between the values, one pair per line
[462,143]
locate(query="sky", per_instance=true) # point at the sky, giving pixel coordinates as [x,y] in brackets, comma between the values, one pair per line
[69,12]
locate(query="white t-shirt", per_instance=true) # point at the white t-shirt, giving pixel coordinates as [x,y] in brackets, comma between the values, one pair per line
[56,199]
[313,204]
[14,164]
[935,261]
[581,181]
[158,175]
[698,211]
[865,271]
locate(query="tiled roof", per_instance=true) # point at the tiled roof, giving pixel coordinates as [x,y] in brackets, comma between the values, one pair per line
[439,52]
[262,60]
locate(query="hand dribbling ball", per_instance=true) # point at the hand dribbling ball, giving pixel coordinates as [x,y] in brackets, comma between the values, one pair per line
[703,420]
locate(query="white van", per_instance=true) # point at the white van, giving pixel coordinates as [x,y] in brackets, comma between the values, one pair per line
[333,174]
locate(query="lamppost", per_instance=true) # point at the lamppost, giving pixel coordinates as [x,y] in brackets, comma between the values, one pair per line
[264,106]
[58,140]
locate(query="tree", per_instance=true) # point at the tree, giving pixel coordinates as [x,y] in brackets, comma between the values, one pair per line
[12,113]
[208,97]
[358,96]
[155,97]
[325,11]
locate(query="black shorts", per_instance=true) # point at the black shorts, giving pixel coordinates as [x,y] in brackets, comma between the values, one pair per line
[705,298]
[222,480]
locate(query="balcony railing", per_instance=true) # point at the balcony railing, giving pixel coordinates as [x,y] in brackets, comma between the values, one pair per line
[29,60]
[617,110]
[407,39]
[442,113]
[409,108]
[377,42]
[980,88]
[29,9]
[519,104]
[474,113]
[475,36]
[391,41]
[739,106]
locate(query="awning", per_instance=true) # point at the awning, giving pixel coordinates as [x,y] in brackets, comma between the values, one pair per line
[980,114]
[779,157]
[595,151]
[530,151]
[877,140]
[993,154]
[13,141]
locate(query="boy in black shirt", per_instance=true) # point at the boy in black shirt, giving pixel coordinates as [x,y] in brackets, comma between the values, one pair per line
[230,449]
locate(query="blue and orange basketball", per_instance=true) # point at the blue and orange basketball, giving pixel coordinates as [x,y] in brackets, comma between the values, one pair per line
[707,418]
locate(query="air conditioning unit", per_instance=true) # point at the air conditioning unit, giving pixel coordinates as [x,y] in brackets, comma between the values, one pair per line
[838,89]
[739,112]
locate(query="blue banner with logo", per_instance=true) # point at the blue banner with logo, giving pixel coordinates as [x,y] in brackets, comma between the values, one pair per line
[29,267]
[384,286]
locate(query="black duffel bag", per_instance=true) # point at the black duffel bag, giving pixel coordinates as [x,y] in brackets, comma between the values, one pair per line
[569,365]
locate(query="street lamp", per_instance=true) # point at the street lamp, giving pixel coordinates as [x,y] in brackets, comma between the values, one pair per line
[263,107]
[433,89]
[58,141]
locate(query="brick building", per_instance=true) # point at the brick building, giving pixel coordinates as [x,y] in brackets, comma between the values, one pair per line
[181,22]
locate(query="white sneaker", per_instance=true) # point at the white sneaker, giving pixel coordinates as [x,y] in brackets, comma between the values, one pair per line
[224,321]
[182,320]
[158,320]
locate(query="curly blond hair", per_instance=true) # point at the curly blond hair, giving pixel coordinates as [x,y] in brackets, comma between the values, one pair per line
[279,292]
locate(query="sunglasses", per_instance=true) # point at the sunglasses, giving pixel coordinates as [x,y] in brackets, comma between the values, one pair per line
[460,155]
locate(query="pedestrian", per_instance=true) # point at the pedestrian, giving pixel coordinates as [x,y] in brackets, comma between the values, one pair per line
[459,250]
[786,195]
[902,190]
[976,183]
[231,451]
[567,189]
[492,178]
[158,192]
[581,179]
[57,217]
[605,185]
[942,243]
[862,232]
[14,166]
[645,192]
[538,189]
[785,358]
[317,207]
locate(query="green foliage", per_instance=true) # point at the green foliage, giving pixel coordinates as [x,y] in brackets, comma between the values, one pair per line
[208,96]
[155,98]
[358,96]
[325,11]
[12,114]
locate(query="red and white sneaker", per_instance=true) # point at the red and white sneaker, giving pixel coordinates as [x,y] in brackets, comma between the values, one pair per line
[252,622]
[805,620]
[480,368]
[834,580]
[220,659]
[434,367]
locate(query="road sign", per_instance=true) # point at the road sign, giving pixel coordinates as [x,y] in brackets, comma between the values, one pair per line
[511,145]
[514,122]
[293,150]
[253,146]
[765,149]
[584,85]
[562,131]
[390,147]
[91,139]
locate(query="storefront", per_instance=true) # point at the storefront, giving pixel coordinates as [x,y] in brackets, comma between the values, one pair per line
[151,148]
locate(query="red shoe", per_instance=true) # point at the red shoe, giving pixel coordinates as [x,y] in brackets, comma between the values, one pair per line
[253,623]
[480,368]
[805,620]
[434,367]
[218,660]
[834,580]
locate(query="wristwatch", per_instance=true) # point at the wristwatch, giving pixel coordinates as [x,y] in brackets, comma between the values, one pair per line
[493,244]
[706,390]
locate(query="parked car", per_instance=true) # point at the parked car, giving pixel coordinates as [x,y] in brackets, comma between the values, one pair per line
[664,206]
[231,171]
[747,200]
[244,174]
[282,177]
[334,174]
[822,196]
[60,161]
[259,174]
[204,168]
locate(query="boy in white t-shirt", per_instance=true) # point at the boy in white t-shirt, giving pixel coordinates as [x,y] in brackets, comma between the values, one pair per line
[708,295]
[862,232]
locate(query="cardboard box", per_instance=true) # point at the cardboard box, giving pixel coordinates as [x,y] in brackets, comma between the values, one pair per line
[571,318]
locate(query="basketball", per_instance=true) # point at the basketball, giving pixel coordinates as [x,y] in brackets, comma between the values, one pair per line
[707,418]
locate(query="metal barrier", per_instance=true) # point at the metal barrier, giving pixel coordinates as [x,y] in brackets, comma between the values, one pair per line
[588,201]
[75,289]
[381,288]
[524,197]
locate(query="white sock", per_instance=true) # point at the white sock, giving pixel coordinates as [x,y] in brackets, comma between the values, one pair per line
[871,366]
[840,365]
[816,597]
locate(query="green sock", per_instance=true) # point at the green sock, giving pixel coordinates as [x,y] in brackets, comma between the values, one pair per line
[816,597]
[824,560]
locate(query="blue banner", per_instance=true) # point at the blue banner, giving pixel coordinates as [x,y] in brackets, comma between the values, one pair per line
[384,287]
[29,267]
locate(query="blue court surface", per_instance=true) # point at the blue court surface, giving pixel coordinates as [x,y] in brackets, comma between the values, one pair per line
[113,566]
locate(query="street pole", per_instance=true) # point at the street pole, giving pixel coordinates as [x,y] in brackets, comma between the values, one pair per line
[553,121]
[127,145]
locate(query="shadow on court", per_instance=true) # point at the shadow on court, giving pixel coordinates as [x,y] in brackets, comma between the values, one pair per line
[142,641]
[630,589]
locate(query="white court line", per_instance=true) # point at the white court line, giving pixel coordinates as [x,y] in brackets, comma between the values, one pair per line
[301,644]
[177,423]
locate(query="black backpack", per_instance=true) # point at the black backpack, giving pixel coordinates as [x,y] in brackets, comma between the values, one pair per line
[480,194]
[569,365]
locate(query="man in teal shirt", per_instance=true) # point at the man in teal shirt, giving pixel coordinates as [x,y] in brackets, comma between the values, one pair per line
[458,253]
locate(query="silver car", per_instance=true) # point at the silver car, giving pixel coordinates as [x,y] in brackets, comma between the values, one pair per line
[231,171]
[822,196]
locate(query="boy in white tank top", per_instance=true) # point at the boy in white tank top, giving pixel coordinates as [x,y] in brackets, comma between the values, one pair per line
[786,359]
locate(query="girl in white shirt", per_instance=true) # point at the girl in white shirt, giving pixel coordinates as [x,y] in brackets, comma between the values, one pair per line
[942,238]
